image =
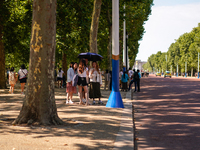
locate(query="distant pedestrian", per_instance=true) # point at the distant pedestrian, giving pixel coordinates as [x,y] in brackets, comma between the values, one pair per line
[82,83]
[95,82]
[12,79]
[137,77]
[22,74]
[124,80]
[132,80]
[60,78]
[120,75]
[107,80]
[110,80]
[130,73]
[70,89]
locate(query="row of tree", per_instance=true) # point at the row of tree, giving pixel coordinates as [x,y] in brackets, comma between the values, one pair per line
[184,51]
[82,26]
[63,31]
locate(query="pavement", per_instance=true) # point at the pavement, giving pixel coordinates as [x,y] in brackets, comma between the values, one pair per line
[89,127]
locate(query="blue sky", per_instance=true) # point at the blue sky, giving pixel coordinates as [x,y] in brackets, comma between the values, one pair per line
[169,20]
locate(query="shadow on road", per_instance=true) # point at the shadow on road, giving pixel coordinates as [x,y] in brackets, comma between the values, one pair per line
[167,114]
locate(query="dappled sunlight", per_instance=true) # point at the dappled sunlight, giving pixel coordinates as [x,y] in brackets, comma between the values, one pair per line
[167,114]
[90,127]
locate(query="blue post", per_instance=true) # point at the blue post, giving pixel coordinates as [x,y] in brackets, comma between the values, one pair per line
[198,75]
[115,99]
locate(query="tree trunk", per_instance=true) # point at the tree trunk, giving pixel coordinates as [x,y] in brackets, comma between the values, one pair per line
[2,55]
[192,72]
[109,48]
[64,63]
[39,103]
[94,26]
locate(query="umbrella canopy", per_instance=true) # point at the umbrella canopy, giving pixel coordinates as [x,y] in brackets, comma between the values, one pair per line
[90,56]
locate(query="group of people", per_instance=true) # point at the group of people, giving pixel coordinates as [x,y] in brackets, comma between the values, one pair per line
[88,80]
[127,78]
[12,78]
[81,75]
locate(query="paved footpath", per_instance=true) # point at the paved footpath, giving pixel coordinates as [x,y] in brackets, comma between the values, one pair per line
[167,114]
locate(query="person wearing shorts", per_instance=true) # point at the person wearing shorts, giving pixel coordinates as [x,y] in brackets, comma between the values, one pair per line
[82,82]
[22,74]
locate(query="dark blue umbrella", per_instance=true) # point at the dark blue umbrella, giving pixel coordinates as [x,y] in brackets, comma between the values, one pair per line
[90,56]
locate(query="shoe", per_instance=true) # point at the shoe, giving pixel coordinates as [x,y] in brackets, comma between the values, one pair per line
[84,100]
[94,103]
[22,93]
[100,102]
[67,102]
[70,102]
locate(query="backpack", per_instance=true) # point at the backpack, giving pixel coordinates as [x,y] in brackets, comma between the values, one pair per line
[136,76]
[75,80]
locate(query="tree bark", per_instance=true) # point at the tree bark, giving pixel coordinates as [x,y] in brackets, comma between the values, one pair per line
[64,63]
[109,47]
[39,103]
[94,26]
[2,54]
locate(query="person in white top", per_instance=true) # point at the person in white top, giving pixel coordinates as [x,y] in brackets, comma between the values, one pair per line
[70,89]
[60,78]
[22,74]
[82,83]
[95,82]
[12,79]
[130,73]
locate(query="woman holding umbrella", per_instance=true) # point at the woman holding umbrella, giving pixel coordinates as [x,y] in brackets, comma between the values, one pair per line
[82,83]
[95,82]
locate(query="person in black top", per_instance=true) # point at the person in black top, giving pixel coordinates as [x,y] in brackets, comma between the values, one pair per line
[137,80]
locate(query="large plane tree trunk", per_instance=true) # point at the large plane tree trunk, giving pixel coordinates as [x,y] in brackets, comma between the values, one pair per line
[39,103]
[94,26]
[2,53]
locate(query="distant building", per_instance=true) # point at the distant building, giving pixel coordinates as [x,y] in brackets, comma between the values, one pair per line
[138,65]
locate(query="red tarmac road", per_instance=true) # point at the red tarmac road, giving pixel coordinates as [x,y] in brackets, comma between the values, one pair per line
[167,114]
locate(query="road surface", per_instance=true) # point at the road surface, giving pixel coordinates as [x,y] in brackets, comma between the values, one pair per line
[167,114]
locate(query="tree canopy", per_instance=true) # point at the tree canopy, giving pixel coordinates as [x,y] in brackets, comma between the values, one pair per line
[73,29]
[184,49]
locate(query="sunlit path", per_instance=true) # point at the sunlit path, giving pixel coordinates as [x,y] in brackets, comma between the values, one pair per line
[167,114]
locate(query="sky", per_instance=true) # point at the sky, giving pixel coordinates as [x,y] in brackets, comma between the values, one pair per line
[169,19]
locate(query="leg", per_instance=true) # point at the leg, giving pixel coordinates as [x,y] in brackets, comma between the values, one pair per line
[105,83]
[80,94]
[22,87]
[13,88]
[135,85]
[67,98]
[138,84]
[70,101]
[130,84]
[86,95]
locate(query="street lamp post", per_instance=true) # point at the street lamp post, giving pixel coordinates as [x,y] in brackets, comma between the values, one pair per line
[198,65]
[115,99]
[177,71]
[166,61]
[186,69]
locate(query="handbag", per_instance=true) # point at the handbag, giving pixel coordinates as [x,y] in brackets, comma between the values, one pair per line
[75,80]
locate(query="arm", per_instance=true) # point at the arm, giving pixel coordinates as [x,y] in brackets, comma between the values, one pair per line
[100,80]
[90,73]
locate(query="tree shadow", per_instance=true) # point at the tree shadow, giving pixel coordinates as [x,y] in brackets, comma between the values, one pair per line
[89,127]
[167,114]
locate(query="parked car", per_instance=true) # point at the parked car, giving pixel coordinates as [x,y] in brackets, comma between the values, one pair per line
[158,74]
[167,74]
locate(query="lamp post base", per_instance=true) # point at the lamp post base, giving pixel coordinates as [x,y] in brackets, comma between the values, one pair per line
[115,100]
